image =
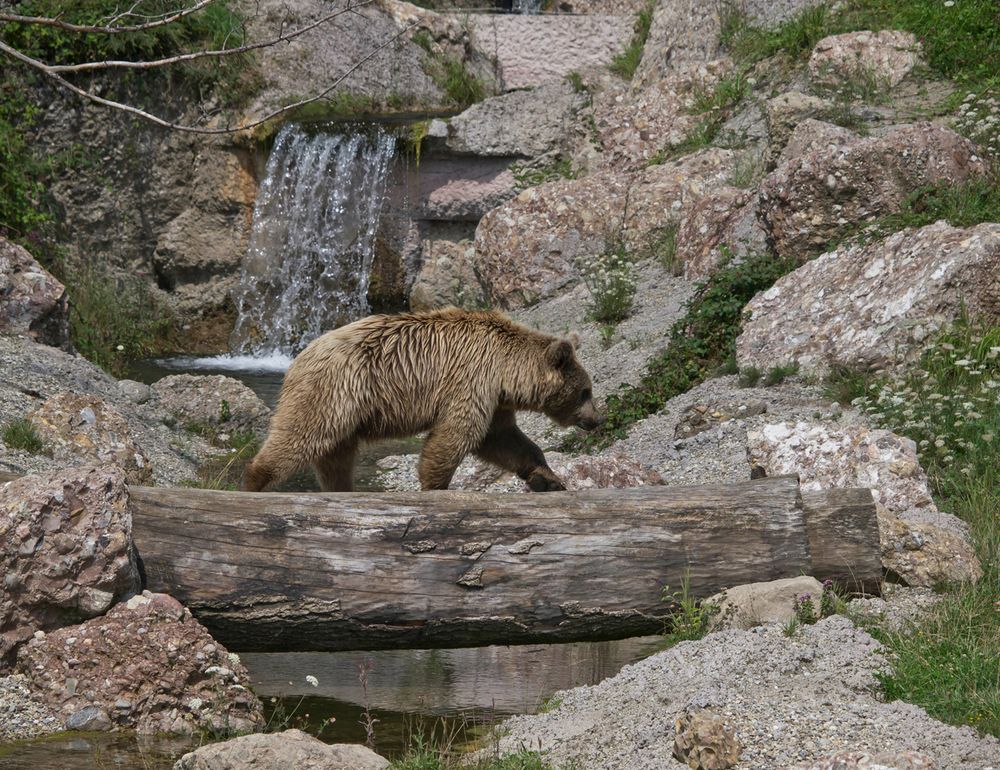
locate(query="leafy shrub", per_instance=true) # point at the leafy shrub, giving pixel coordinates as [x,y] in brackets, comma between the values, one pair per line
[610,278]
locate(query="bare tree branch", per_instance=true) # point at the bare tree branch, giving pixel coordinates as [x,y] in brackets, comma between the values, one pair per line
[63,83]
[282,37]
[109,28]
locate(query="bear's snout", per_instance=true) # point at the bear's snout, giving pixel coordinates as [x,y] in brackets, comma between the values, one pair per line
[589,418]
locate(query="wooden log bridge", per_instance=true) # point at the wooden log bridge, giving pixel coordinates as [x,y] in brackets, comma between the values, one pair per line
[323,572]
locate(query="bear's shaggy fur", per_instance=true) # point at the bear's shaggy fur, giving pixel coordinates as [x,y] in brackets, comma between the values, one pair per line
[458,375]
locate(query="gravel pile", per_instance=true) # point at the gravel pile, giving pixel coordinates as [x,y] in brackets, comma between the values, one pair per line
[789,700]
[21,716]
[31,373]
[898,607]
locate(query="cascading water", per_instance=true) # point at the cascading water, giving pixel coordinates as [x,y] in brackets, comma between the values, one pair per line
[527,6]
[313,238]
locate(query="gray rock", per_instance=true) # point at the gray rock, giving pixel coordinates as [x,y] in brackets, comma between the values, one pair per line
[136,392]
[783,113]
[811,135]
[90,719]
[822,196]
[66,550]
[522,123]
[277,751]
[874,305]
[723,224]
[883,58]
[217,402]
[142,663]
[447,277]
[32,301]
[756,604]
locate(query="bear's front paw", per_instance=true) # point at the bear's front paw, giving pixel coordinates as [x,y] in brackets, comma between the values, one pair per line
[538,482]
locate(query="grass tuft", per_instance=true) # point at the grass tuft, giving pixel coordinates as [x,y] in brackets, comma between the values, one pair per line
[627,62]
[21,434]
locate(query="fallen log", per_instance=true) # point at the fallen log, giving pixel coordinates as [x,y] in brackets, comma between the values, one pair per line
[324,572]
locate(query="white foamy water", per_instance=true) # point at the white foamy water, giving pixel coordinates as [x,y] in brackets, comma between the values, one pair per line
[274,362]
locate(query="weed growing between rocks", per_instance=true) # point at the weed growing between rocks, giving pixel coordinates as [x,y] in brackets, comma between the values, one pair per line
[698,345]
[949,403]
[528,175]
[727,93]
[690,619]
[226,471]
[778,374]
[627,62]
[611,281]
[979,120]
[21,434]
[962,205]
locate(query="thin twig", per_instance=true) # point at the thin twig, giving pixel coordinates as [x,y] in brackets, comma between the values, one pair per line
[106,29]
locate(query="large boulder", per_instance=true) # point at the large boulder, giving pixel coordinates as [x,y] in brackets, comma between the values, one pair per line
[879,60]
[819,197]
[32,301]
[66,551]
[274,751]
[722,225]
[874,305]
[703,740]
[214,402]
[919,544]
[531,248]
[145,665]
[76,428]
[524,123]
[783,113]
[447,277]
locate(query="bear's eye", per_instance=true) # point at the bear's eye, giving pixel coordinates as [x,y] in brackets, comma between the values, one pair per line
[585,395]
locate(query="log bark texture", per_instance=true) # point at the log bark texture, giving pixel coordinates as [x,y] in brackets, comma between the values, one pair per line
[447,569]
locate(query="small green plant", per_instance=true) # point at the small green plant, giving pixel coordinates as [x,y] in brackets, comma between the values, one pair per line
[224,472]
[844,384]
[726,93]
[627,62]
[531,175]
[610,278]
[21,434]
[575,80]
[225,412]
[115,318]
[805,609]
[961,205]
[778,374]
[749,377]
[979,119]
[747,171]
[830,602]
[792,627]
[690,619]
[423,39]
[664,249]
[550,704]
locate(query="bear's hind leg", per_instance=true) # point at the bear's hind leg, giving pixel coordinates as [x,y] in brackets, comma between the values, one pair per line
[274,463]
[335,469]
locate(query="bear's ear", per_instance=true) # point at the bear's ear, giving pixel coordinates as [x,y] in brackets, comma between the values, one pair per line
[559,353]
[574,340]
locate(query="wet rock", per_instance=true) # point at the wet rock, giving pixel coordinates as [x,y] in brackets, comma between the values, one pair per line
[530,248]
[447,277]
[466,198]
[76,429]
[783,113]
[276,751]
[874,305]
[32,301]
[870,760]
[89,719]
[721,225]
[703,741]
[215,402]
[66,552]
[881,59]
[150,653]
[818,198]
[755,604]
[524,123]
[919,543]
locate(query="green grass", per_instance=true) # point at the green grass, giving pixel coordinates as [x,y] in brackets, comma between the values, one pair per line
[21,434]
[726,93]
[778,374]
[961,42]
[425,756]
[627,62]
[960,205]
[698,345]
[949,662]
[115,319]
[690,617]
[526,176]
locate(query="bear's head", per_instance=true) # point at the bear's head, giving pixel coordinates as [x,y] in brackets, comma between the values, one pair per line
[571,402]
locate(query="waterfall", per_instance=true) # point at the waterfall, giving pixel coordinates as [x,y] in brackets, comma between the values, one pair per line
[313,238]
[527,6]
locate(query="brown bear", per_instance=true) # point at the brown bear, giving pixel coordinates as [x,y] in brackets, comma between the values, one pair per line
[457,374]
